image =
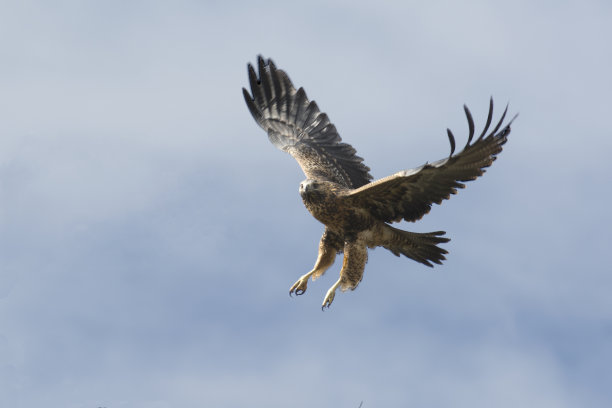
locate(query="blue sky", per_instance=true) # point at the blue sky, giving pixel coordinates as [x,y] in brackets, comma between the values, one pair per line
[149,232]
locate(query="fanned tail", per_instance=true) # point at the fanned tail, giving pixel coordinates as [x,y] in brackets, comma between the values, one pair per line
[421,247]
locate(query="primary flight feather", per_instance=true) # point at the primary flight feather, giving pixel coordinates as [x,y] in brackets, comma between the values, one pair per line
[339,191]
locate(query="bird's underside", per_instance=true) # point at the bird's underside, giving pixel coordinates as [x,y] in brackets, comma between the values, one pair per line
[339,191]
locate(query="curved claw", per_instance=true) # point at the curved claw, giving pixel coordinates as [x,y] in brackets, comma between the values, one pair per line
[299,287]
[326,305]
[330,295]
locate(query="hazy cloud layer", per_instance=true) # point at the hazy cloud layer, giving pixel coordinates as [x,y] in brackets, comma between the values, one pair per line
[149,232]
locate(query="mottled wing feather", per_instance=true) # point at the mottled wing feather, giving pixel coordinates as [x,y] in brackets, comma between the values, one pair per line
[295,125]
[409,194]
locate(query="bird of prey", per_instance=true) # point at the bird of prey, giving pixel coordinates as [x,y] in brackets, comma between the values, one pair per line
[339,191]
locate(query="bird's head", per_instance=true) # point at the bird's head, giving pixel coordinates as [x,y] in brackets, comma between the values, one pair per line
[308,186]
[317,190]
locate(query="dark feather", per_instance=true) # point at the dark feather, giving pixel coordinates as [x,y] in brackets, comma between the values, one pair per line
[451,139]
[409,194]
[295,125]
[470,120]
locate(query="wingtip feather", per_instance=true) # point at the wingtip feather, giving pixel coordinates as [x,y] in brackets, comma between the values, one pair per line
[489,119]
[451,140]
[470,120]
[501,121]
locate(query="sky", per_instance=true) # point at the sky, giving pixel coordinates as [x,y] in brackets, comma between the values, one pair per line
[149,232]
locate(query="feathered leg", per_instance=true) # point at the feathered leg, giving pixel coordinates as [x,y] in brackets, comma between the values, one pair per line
[355,258]
[329,247]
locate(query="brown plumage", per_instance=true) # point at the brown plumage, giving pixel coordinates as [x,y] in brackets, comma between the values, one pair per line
[339,192]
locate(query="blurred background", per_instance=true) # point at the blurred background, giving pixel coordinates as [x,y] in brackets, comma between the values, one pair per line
[149,232]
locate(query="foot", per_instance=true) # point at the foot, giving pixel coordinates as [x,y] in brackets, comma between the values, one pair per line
[299,287]
[329,297]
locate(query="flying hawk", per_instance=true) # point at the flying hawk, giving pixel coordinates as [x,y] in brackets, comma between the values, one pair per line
[339,191]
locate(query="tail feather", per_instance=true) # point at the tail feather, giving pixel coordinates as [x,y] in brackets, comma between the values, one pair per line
[421,247]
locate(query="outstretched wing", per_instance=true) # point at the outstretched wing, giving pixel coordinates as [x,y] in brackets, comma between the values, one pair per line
[409,194]
[295,125]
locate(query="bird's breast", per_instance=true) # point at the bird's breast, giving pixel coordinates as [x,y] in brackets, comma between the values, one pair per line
[334,214]
[324,209]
